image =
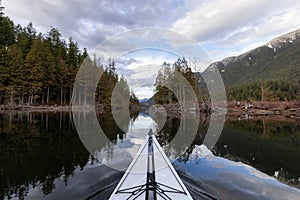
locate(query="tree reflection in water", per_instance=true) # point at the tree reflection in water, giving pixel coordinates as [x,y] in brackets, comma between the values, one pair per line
[270,146]
[38,148]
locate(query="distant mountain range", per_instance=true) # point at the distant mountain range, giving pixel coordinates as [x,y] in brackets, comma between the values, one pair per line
[143,100]
[278,59]
[147,102]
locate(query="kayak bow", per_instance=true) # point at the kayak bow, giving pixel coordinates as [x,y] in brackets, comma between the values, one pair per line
[150,176]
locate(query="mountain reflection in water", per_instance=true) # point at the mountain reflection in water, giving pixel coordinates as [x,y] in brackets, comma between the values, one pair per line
[42,157]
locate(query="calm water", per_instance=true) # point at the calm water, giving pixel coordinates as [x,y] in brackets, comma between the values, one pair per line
[42,157]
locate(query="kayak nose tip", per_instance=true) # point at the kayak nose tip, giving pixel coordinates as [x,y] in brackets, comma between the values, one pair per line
[150,132]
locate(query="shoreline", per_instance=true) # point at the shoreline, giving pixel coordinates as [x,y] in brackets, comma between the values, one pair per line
[234,108]
[55,108]
[266,108]
[42,108]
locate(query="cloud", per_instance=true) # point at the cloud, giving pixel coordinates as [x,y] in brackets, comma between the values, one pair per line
[237,24]
[128,61]
[140,70]
[229,26]
[92,21]
[216,19]
[236,180]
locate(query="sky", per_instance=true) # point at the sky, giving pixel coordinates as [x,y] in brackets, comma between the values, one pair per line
[221,28]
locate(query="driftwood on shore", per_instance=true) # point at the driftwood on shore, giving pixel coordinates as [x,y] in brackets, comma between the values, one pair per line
[258,108]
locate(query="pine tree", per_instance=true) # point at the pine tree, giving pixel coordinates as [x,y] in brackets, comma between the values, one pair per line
[55,43]
[39,71]
[59,51]
[73,52]
[15,67]
[7,34]
[1,9]
[25,37]
[163,78]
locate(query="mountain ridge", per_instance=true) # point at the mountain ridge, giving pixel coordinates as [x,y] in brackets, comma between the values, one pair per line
[277,59]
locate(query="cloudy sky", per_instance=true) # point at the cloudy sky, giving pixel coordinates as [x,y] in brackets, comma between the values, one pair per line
[221,28]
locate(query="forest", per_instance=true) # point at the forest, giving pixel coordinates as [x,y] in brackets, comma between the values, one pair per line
[272,90]
[264,90]
[166,76]
[40,68]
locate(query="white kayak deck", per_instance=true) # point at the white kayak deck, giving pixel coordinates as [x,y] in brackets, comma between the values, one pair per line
[150,176]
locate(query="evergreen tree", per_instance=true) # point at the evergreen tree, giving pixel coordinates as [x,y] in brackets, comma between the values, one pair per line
[39,71]
[163,78]
[73,52]
[7,34]
[1,9]
[55,43]
[133,98]
[25,37]
[15,67]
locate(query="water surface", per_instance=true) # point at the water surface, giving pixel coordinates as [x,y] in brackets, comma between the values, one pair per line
[42,157]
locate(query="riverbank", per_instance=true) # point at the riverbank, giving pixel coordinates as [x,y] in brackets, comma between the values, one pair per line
[234,108]
[246,109]
[44,108]
[265,108]
[58,108]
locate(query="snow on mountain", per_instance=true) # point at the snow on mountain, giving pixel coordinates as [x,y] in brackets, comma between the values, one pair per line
[286,38]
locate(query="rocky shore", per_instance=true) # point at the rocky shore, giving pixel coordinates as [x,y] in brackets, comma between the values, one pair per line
[240,109]
[257,108]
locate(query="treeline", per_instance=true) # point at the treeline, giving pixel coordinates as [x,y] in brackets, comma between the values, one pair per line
[274,90]
[38,68]
[166,76]
[111,89]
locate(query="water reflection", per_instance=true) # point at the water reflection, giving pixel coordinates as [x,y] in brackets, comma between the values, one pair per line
[232,180]
[176,134]
[35,150]
[272,147]
[41,156]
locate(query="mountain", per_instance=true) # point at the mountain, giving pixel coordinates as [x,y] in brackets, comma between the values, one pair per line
[148,102]
[278,59]
[144,100]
